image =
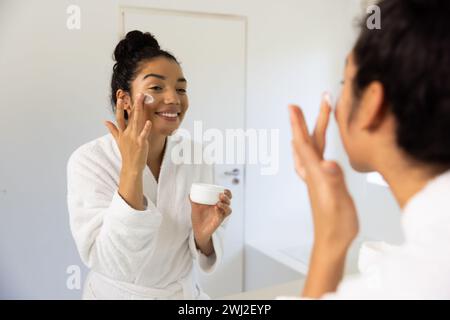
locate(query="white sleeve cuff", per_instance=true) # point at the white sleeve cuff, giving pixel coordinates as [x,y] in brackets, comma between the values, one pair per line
[122,212]
[208,264]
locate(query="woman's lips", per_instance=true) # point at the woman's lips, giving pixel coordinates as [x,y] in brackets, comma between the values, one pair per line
[169,116]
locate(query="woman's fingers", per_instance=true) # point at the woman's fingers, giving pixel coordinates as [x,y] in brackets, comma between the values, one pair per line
[120,116]
[298,124]
[228,194]
[299,168]
[113,129]
[224,209]
[307,156]
[332,169]
[145,133]
[299,135]
[225,199]
[320,131]
[219,211]
[138,120]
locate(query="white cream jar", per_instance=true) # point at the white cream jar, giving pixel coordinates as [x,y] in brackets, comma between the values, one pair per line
[208,194]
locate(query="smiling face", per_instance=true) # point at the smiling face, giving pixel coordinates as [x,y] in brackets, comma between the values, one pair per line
[163,79]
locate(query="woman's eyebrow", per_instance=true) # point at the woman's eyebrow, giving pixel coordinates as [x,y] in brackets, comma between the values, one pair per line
[161,77]
[154,75]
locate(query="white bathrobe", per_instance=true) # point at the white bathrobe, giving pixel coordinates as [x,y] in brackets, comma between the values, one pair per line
[136,254]
[420,267]
[417,269]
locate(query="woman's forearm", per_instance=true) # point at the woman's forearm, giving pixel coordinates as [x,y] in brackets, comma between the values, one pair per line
[207,247]
[131,189]
[325,272]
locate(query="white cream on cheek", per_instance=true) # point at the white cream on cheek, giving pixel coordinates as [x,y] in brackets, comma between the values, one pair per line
[148,99]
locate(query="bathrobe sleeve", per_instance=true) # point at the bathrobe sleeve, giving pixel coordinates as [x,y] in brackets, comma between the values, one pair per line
[111,237]
[208,264]
[411,273]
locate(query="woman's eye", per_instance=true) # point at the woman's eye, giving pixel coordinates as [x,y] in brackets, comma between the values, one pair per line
[156,88]
[181,90]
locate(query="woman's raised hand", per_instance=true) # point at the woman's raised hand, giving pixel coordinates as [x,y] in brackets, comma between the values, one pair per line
[317,139]
[132,138]
[334,213]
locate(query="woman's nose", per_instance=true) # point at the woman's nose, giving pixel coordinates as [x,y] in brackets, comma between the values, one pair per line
[172,98]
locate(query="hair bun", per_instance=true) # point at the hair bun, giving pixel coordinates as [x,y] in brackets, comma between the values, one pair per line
[431,4]
[134,42]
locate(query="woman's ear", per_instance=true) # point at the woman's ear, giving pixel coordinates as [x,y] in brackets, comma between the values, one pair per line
[372,107]
[121,94]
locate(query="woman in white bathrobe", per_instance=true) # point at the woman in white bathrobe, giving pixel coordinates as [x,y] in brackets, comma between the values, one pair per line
[130,213]
[394,118]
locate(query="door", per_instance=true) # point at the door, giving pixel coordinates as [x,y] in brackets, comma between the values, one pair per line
[212,52]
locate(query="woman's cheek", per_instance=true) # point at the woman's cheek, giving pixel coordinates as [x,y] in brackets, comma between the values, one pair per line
[184,109]
[338,113]
[341,123]
[150,113]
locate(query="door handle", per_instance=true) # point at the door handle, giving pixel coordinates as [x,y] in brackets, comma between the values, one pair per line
[232,173]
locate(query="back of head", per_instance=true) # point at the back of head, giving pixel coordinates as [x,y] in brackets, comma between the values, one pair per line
[410,56]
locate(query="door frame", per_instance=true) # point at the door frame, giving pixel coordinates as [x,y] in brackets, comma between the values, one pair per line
[198,14]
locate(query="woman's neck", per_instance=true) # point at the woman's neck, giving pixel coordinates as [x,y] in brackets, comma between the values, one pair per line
[405,177]
[156,147]
[156,152]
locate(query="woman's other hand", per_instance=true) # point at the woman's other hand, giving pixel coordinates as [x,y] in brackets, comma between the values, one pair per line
[206,219]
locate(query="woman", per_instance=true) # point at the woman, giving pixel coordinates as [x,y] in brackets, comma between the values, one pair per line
[394,118]
[130,213]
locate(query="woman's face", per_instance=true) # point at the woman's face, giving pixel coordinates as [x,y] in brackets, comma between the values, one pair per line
[163,79]
[347,118]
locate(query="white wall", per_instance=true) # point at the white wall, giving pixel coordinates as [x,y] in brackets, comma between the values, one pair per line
[54,87]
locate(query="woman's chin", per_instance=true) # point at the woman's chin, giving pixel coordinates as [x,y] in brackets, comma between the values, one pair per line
[164,126]
[361,167]
[165,130]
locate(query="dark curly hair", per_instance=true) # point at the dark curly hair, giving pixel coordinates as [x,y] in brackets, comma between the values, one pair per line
[410,56]
[130,52]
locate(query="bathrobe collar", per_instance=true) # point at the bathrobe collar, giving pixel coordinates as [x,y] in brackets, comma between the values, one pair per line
[427,210]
